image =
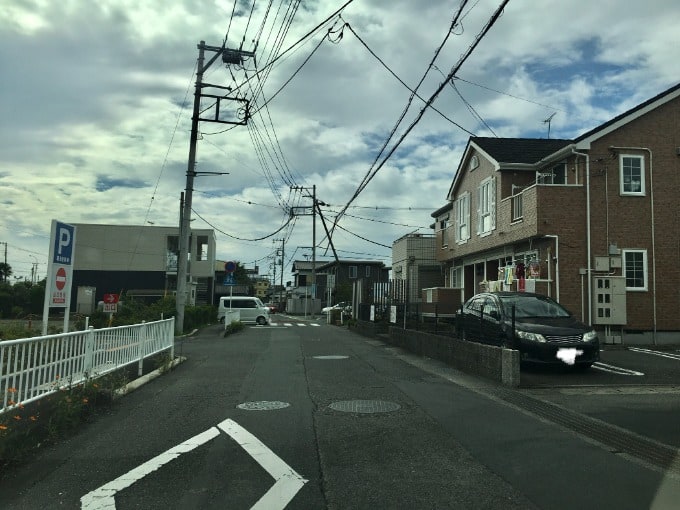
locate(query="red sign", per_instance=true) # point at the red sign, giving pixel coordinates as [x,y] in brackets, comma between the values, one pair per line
[60,278]
[110,298]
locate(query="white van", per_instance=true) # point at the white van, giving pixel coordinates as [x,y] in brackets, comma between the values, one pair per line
[250,308]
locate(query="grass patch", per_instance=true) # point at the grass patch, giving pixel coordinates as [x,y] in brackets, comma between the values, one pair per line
[25,428]
[233,328]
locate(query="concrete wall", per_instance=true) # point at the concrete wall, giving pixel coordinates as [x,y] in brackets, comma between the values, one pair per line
[494,363]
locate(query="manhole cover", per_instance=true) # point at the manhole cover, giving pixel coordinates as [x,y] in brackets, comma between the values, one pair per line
[364,406]
[331,357]
[263,405]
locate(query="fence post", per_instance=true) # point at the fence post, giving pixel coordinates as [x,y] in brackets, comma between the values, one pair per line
[172,339]
[142,347]
[89,352]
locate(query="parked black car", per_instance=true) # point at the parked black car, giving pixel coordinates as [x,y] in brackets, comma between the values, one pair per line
[540,328]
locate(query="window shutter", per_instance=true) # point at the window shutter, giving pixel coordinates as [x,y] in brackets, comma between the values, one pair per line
[456,219]
[479,209]
[466,205]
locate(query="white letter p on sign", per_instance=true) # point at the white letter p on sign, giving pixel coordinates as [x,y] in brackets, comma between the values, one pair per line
[64,239]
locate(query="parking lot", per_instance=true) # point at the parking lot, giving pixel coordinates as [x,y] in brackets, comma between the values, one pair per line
[633,388]
[648,366]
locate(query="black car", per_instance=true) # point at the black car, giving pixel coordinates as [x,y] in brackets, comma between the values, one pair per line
[540,328]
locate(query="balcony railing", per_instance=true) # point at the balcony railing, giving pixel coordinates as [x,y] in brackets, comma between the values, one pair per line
[517,207]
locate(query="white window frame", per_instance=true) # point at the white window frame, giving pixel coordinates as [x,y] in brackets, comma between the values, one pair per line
[645,276]
[462,218]
[622,169]
[352,271]
[486,207]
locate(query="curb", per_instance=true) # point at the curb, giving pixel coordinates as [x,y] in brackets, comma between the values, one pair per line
[141,381]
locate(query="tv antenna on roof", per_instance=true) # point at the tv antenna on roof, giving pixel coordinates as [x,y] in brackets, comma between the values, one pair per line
[548,121]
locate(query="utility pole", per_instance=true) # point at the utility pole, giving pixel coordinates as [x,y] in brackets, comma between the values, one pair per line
[313,215]
[280,253]
[228,57]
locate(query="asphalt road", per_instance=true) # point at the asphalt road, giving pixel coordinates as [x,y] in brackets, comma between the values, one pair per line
[307,416]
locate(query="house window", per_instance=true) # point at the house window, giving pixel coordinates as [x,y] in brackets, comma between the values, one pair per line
[632,174]
[555,175]
[456,277]
[486,212]
[635,269]
[443,225]
[462,209]
[202,248]
[474,163]
[352,271]
[368,271]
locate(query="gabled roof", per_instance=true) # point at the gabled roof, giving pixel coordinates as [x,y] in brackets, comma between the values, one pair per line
[584,141]
[325,265]
[508,151]
[518,150]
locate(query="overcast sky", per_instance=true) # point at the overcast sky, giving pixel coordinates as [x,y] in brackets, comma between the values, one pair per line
[96,101]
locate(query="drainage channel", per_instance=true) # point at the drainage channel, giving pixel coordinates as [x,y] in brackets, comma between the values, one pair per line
[616,438]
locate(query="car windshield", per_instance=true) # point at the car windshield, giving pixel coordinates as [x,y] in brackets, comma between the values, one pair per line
[533,306]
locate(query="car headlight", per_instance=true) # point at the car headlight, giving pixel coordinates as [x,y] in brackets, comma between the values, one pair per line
[590,336]
[532,337]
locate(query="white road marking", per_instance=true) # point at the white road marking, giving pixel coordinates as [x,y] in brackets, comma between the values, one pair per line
[314,324]
[668,355]
[615,370]
[287,481]
[103,497]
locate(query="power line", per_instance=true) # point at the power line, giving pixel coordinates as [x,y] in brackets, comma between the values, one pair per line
[452,73]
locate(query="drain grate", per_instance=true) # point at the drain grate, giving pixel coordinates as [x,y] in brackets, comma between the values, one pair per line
[263,405]
[364,406]
[333,356]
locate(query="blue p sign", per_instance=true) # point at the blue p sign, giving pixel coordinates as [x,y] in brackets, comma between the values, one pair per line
[63,243]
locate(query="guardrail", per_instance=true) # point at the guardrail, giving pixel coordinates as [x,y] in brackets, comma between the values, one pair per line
[31,368]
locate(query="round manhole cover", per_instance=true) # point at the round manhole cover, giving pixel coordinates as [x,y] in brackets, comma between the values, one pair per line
[364,406]
[263,405]
[334,356]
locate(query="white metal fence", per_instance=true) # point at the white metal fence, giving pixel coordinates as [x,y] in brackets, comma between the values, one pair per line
[31,368]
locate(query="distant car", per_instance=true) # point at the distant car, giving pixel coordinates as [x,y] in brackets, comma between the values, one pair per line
[272,307]
[544,331]
[343,305]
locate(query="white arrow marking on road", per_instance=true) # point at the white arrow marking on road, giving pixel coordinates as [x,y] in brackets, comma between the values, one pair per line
[615,370]
[656,353]
[288,482]
[103,497]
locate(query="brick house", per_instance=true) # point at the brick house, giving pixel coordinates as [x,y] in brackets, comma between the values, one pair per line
[592,222]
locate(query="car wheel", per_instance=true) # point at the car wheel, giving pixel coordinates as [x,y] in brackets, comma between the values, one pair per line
[222,320]
[261,321]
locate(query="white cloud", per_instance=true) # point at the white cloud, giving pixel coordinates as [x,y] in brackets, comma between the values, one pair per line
[92,96]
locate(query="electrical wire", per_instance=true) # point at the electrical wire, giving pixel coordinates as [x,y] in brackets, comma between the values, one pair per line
[363,238]
[239,238]
[413,92]
[436,93]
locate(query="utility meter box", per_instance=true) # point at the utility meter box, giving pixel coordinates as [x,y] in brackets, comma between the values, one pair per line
[609,300]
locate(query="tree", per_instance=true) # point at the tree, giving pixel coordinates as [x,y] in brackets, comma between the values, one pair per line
[5,271]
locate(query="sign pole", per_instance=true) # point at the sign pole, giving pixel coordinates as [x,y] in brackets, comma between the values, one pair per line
[59,272]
